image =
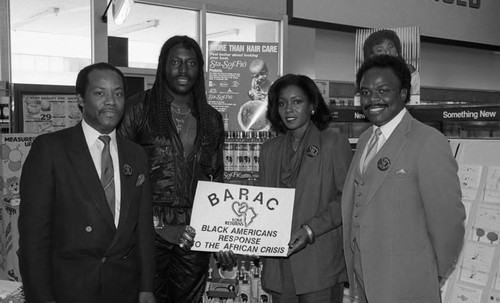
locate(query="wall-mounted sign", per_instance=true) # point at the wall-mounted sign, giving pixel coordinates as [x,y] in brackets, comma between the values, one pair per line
[473,21]
[239,77]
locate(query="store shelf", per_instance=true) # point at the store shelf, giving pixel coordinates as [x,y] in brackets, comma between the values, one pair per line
[455,121]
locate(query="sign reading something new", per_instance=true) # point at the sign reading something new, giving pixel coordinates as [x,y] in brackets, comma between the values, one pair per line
[248,220]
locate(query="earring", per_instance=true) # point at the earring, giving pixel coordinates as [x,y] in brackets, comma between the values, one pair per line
[312,112]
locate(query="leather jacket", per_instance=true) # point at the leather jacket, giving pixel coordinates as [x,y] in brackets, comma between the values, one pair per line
[173,176]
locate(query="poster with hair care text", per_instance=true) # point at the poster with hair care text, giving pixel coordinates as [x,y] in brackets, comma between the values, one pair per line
[239,77]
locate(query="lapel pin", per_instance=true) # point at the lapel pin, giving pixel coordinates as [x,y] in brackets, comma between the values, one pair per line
[312,151]
[383,163]
[127,170]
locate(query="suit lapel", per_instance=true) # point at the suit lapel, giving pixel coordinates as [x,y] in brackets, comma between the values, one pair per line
[84,167]
[391,150]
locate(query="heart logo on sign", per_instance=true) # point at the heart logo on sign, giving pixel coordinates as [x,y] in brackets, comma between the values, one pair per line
[240,209]
[243,210]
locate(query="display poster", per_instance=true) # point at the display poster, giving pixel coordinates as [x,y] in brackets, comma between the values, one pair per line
[247,220]
[49,113]
[13,149]
[492,190]
[477,263]
[401,42]
[487,224]
[324,88]
[239,77]
[469,176]
[464,293]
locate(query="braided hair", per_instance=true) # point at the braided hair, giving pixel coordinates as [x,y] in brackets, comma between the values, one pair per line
[160,99]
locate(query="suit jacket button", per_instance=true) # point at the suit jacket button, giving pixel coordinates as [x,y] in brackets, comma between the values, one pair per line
[88,229]
[358,205]
[103,260]
[358,194]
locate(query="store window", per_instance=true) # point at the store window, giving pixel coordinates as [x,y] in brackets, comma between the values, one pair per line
[221,27]
[139,38]
[50,40]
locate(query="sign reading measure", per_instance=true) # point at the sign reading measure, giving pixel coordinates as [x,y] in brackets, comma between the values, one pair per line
[248,220]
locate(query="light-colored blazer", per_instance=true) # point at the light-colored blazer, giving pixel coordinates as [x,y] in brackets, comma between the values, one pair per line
[411,228]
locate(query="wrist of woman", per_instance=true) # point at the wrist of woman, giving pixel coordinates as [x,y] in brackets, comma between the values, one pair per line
[309,232]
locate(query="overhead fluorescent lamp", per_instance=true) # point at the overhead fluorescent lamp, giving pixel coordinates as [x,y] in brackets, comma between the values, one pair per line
[136,27]
[48,12]
[228,32]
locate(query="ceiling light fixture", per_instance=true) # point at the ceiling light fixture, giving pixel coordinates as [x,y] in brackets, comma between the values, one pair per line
[51,11]
[234,31]
[136,27]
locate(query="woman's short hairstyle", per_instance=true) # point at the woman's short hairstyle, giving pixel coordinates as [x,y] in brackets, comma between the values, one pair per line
[377,38]
[321,115]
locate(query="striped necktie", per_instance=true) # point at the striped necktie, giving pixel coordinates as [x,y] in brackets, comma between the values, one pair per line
[108,174]
[371,148]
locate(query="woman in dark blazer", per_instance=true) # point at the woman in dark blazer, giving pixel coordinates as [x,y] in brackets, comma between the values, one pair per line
[314,160]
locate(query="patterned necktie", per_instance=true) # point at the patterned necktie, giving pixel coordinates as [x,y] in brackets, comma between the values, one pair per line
[371,150]
[108,174]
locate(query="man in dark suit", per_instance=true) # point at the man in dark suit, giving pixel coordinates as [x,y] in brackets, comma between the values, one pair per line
[85,226]
[402,207]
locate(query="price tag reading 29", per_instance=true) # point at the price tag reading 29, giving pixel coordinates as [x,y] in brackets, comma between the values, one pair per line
[248,220]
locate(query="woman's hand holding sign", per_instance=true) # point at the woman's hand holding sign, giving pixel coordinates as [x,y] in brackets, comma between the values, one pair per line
[300,238]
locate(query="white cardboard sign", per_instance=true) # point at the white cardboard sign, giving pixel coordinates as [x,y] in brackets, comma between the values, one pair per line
[248,220]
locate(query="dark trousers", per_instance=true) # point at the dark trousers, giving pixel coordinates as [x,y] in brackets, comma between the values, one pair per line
[180,275]
[333,294]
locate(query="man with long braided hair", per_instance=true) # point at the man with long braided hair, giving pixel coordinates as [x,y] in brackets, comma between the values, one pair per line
[183,137]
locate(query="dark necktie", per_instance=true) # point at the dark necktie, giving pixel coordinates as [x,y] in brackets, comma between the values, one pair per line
[108,174]
[372,148]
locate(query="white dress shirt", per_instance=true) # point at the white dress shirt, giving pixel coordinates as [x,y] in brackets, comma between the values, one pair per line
[389,127]
[386,131]
[96,146]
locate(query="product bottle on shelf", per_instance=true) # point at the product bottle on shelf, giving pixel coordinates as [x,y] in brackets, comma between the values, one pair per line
[242,271]
[245,292]
[254,283]
[239,147]
[263,296]
[204,297]
[249,147]
[256,151]
[228,152]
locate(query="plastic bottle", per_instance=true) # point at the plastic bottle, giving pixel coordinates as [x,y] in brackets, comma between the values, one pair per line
[238,151]
[262,295]
[245,290]
[228,150]
[249,147]
[254,283]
